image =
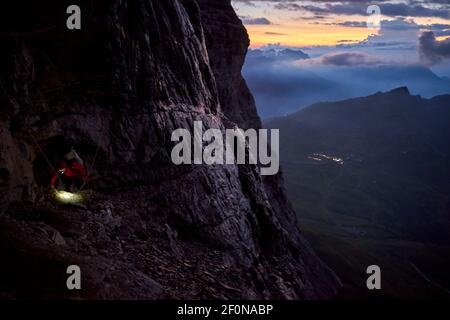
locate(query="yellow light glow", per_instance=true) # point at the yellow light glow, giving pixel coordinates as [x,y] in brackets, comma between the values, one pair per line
[298,32]
[305,34]
[442,38]
[67,197]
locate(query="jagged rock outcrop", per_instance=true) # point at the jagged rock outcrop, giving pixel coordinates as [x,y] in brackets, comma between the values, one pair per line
[117,89]
[227,43]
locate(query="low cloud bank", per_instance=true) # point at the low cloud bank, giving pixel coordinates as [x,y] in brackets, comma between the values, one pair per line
[431,50]
[349,59]
[284,81]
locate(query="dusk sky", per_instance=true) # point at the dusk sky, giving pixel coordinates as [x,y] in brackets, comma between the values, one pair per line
[321,27]
[346,53]
[304,23]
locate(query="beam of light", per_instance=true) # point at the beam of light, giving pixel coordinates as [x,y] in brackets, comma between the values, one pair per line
[68,197]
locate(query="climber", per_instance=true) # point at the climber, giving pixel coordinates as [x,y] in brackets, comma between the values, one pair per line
[71,173]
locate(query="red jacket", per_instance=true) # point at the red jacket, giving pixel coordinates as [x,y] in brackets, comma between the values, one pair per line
[72,170]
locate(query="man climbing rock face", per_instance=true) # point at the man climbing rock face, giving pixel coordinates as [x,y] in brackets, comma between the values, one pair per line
[71,173]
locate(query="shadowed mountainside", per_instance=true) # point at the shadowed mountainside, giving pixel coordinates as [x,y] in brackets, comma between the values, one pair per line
[370,178]
[117,89]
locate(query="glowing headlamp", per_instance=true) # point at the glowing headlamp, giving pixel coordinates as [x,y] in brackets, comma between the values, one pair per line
[68,197]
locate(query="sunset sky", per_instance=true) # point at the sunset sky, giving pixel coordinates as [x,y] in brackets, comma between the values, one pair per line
[303,52]
[306,23]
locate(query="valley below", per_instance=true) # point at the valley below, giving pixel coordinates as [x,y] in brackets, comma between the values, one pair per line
[369,179]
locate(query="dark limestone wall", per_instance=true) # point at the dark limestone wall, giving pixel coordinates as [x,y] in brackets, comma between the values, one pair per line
[118,88]
[227,42]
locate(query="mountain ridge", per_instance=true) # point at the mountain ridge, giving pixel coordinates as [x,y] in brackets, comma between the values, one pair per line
[400,91]
[369,178]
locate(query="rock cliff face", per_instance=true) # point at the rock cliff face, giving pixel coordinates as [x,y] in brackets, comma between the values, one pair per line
[116,90]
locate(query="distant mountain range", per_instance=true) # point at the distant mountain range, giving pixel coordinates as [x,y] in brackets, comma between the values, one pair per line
[261,56]
[370,180]
[282,81]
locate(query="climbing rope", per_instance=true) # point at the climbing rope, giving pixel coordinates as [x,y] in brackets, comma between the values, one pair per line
[40,148]
[30,131]
[26,33]
[90,169]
